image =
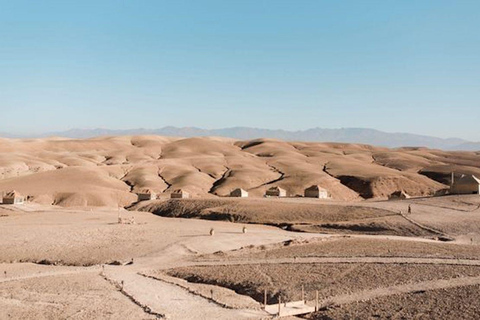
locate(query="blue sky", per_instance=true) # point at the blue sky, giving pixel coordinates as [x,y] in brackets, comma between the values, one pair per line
[397,66]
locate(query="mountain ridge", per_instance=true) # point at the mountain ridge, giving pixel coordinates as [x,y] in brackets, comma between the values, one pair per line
[342,135]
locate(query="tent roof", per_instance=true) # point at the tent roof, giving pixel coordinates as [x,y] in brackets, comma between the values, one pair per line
[399,192]
[146,191]
[12,194]
[179,191]
[468,178]
[276,188]
[316,187]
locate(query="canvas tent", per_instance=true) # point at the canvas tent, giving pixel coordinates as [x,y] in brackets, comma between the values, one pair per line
[146,194]
[179,194]
[316,191]
[276,192]
[239,193]
[13,197]
[466,184]
[398,195]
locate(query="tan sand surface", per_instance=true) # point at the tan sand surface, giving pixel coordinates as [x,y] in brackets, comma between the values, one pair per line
[108,171]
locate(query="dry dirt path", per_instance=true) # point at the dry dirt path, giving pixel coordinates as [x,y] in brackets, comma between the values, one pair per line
[175,302]
[63,271]
[172,301]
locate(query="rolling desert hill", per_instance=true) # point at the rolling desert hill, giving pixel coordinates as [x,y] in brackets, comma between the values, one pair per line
[343,135]
[108,171]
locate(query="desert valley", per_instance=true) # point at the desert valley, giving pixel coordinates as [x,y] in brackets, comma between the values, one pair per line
[99,232]
[222,159]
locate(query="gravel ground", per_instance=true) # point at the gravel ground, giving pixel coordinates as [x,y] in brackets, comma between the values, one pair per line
[451,303]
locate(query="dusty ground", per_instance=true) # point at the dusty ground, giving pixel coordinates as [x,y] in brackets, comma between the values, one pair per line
[435,217]
[300,215]
[77,238]
[54,261]
[83,294]
[454,215]
[453,303]
[348,246]
[329,279]
[86,237]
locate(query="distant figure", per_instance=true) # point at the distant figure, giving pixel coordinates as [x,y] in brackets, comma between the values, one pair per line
[409,208]
[212,232]
[5,272]
[244,230]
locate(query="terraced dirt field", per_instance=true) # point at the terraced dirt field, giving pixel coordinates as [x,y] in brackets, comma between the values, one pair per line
[329,279]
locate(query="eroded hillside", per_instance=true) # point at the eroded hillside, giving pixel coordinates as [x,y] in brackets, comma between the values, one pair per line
[107,171]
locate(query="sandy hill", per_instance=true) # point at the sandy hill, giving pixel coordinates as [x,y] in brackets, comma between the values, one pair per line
[345,135]
[107,171]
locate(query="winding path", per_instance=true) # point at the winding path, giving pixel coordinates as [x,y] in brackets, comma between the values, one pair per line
[170,300]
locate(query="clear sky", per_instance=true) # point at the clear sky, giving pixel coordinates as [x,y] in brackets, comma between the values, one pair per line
[398,66]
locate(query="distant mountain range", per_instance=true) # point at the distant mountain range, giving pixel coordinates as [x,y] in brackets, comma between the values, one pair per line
[347,135]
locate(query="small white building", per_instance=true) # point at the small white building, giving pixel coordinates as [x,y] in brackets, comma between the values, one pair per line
[179,194]
[316,191]
[239,193]
[13,197]
[466,184]
[276,192]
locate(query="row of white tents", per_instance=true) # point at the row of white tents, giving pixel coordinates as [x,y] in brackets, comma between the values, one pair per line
[314,191]
[464,184]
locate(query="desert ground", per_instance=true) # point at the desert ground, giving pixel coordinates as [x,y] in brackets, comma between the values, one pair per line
[64,254]
[80,263]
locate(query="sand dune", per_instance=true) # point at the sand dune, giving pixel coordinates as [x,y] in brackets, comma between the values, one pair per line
[108,171]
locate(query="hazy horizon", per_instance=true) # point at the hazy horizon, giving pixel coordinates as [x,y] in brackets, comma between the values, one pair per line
[43,133]
[364,136]
[391,66]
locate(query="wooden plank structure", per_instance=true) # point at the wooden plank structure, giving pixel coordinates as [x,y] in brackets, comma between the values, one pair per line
[293,308]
